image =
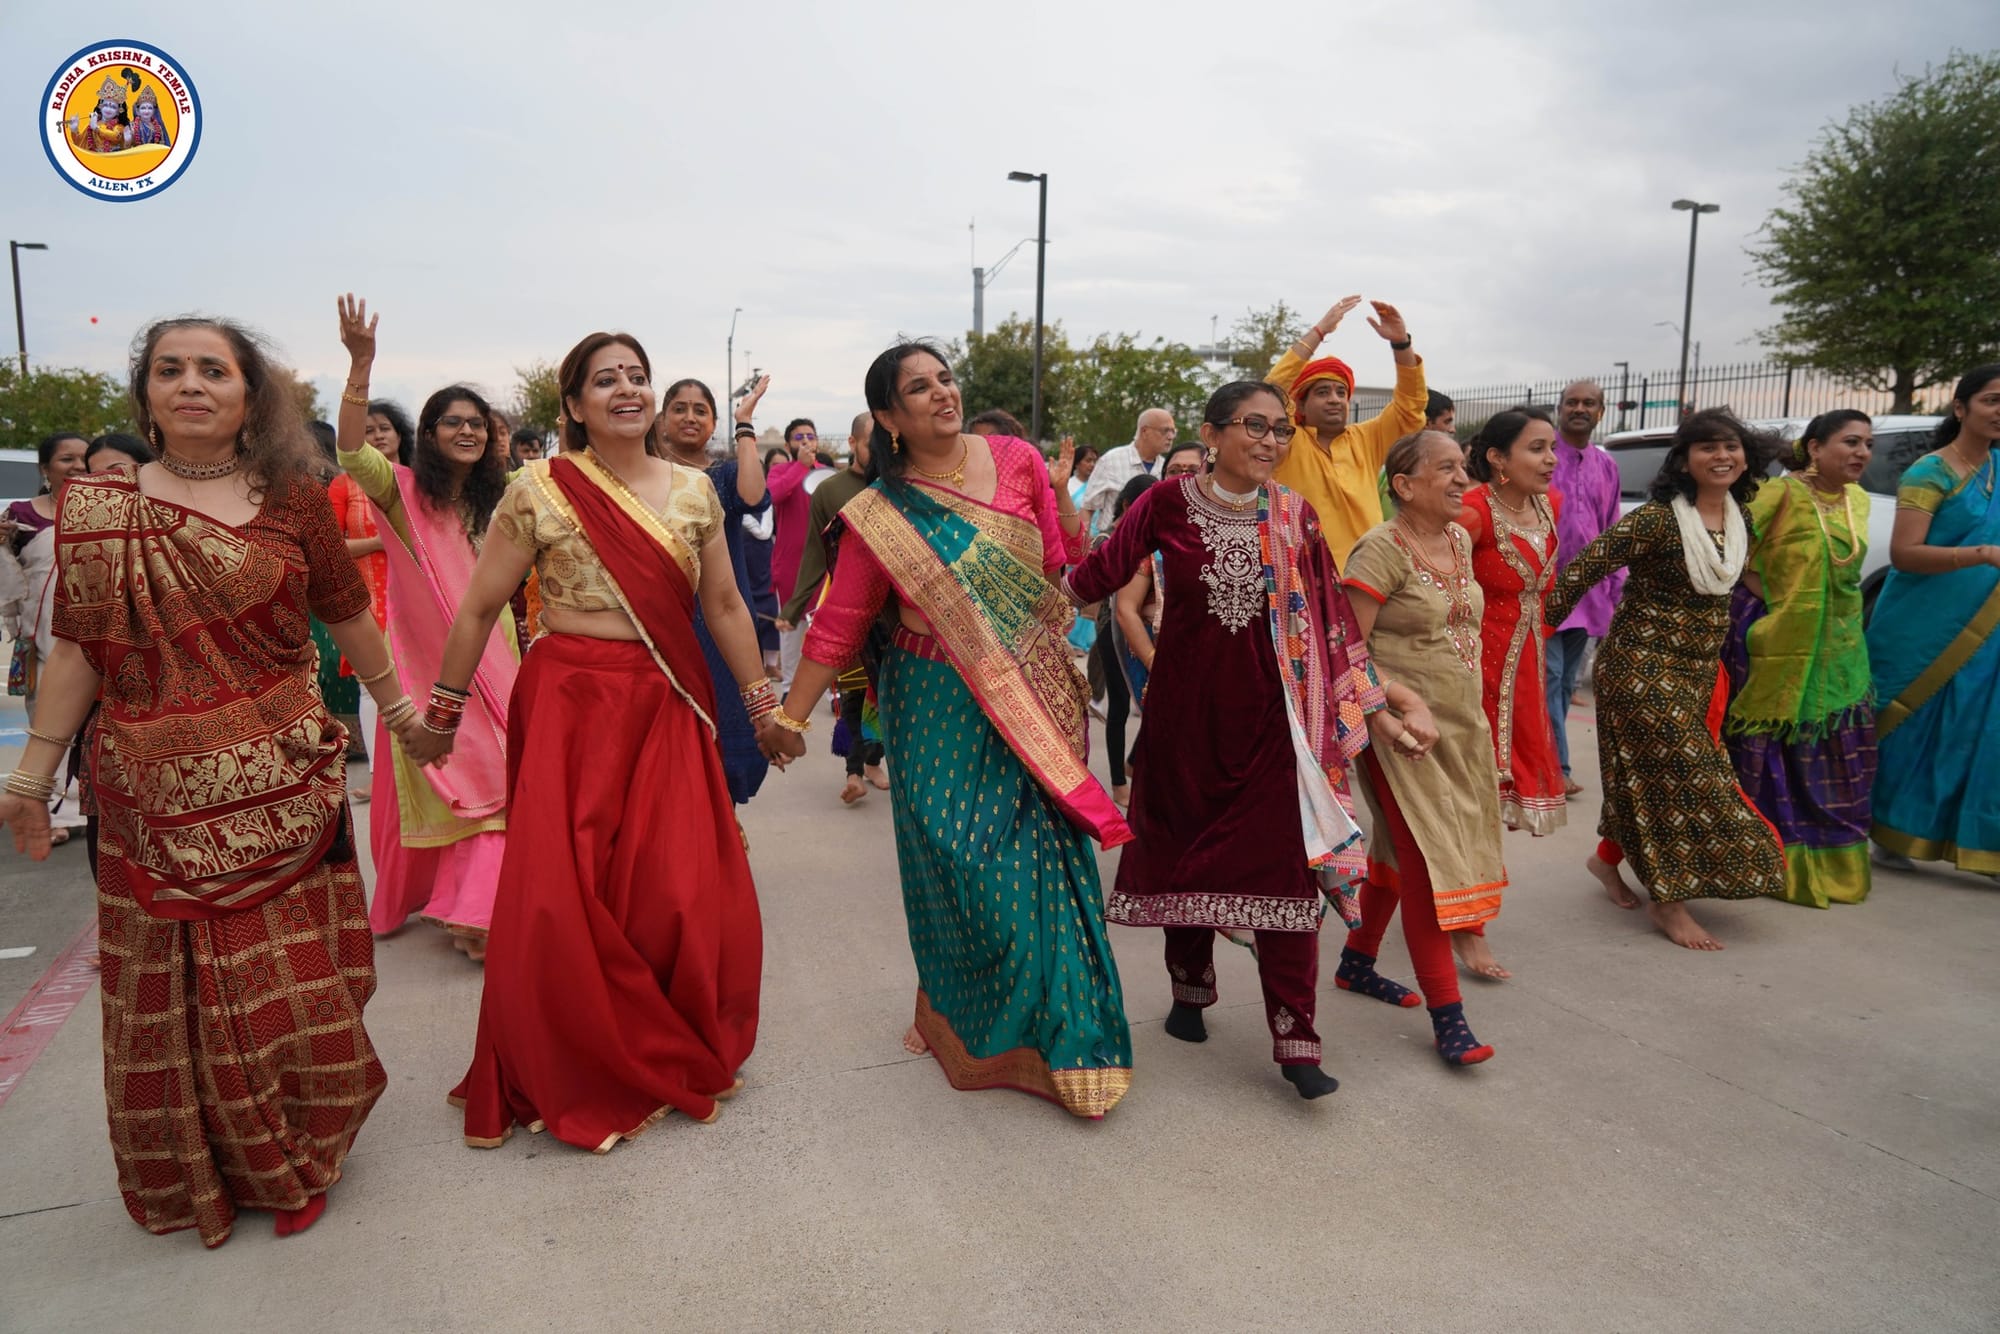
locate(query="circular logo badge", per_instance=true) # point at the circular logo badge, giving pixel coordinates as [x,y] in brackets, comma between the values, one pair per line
[121,120]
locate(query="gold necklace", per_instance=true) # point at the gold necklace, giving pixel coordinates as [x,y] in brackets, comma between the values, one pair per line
[198,472]
[955,476]
[1820,508]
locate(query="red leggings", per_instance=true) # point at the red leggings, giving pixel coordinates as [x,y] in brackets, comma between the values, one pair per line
[1430,950]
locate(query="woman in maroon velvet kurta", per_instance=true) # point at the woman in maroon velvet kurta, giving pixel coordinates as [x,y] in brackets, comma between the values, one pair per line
[1219,839]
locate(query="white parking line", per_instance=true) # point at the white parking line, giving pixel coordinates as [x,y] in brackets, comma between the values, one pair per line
[18,952]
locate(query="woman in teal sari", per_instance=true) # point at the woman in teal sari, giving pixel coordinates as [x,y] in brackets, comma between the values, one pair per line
[1934,650]
[959,537]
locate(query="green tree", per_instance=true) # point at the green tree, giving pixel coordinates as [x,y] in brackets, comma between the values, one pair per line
[48,400]
[1261,337]
[1118,377]
[1886,263]
[997,370]
[304,392]
[537,396]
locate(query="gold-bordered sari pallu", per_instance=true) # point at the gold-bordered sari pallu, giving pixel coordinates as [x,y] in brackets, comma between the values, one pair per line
[1018,987]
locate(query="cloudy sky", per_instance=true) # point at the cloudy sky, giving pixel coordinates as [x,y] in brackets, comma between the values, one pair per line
[501,178]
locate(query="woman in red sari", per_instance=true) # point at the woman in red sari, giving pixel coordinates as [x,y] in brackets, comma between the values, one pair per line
[623,964]
[232,925]
[1511,518]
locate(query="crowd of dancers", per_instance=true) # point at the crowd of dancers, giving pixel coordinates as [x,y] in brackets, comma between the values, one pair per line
[1353,645]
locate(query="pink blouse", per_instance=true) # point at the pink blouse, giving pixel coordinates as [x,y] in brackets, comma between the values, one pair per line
[861,586]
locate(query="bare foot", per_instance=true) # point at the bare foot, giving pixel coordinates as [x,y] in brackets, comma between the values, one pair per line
[1680,927]
[913,1042]
[1613,881]
[1477,956]
[854,790]
[878,777]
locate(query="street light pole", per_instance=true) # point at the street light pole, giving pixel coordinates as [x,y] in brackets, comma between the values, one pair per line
[1041,179]
[1694,212]
[14,249]
[729,384]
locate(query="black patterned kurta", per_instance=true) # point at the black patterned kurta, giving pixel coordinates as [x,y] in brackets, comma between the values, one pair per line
[1670,795]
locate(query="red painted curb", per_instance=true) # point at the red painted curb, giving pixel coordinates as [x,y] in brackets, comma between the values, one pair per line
[26,1033]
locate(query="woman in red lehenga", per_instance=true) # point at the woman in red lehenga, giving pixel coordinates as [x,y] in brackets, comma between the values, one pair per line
[623,964]
[1511,518]
[231,920]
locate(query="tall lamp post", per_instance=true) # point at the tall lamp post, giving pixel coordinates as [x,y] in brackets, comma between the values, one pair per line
[14,249]
[1041,179]
[1694,212]
[729,383]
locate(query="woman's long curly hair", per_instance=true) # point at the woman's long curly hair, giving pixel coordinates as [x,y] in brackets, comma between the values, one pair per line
[277,450]
[435,475]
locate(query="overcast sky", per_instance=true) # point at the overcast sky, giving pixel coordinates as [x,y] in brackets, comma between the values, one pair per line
[499,179]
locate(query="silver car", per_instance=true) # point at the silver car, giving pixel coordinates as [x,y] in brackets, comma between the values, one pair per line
[1899,442]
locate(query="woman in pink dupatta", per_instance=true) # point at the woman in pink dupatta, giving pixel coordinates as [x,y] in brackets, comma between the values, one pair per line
[436,834]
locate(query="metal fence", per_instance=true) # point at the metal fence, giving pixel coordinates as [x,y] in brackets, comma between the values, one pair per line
[1636,400]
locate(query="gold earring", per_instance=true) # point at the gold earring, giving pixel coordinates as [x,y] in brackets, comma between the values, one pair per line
[895,442]
[1812,466]
[153,434]
[1211,456]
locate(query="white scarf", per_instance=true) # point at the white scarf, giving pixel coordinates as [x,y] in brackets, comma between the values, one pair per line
[1709,572]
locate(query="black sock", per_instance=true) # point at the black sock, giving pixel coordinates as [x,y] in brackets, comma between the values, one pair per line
[1309,1080]
[1184,1022]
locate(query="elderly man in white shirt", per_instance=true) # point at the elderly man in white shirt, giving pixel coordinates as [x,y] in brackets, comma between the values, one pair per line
[1150,443]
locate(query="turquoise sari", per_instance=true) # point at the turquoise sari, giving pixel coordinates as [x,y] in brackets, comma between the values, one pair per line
[993,806]
[1936,662]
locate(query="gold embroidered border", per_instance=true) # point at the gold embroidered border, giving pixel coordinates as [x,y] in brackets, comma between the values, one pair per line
[1978,860]
[1936,676]
[1091,1092]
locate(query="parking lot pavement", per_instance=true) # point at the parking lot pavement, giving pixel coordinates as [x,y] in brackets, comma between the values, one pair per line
[1799,1133]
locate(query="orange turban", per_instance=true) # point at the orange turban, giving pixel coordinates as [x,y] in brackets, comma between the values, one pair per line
[1326,368]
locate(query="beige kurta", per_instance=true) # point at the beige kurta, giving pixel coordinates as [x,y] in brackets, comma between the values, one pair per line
[1426,637]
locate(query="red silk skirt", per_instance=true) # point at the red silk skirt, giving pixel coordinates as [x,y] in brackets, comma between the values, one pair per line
[623,965]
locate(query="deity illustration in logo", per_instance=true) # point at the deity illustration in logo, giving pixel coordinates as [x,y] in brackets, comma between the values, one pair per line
[114,127]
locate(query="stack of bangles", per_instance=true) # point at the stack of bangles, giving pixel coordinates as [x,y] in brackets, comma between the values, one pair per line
[760,701]
[447,706]
[35,787]
[398,713]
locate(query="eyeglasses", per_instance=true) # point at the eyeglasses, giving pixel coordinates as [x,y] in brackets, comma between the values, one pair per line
[453,423]
[1257,428]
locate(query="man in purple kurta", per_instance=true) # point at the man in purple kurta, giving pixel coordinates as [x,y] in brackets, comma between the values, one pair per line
[1587,479]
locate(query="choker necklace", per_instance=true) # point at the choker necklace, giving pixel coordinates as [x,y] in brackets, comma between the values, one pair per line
[954,476]
[1234,500]
[198,472]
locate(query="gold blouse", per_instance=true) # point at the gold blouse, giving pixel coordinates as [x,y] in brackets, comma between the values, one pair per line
[535,516]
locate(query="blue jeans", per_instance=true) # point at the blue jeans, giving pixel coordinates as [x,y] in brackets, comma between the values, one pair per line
[1565,650]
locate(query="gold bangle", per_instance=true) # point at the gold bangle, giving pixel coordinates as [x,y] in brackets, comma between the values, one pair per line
[390,670]
[358,400]
[35,787]
[52,740]
[791,724]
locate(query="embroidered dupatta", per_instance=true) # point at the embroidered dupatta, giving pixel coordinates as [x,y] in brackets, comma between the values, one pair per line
[1329,687]
[650,567]
[975,573]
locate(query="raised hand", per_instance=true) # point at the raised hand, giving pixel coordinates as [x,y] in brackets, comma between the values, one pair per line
[1064,464]
[357,328]
[1330,321]
[30,822]
[747,408]
[1388,321]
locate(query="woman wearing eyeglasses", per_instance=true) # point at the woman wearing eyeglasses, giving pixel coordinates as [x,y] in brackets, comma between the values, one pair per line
[1437,808]
[437,834]
[1257,699]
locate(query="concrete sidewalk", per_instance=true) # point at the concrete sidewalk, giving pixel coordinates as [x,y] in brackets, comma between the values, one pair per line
[1799,1133]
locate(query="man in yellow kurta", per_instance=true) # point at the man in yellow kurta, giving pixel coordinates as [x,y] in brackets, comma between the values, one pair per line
[1332,464]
